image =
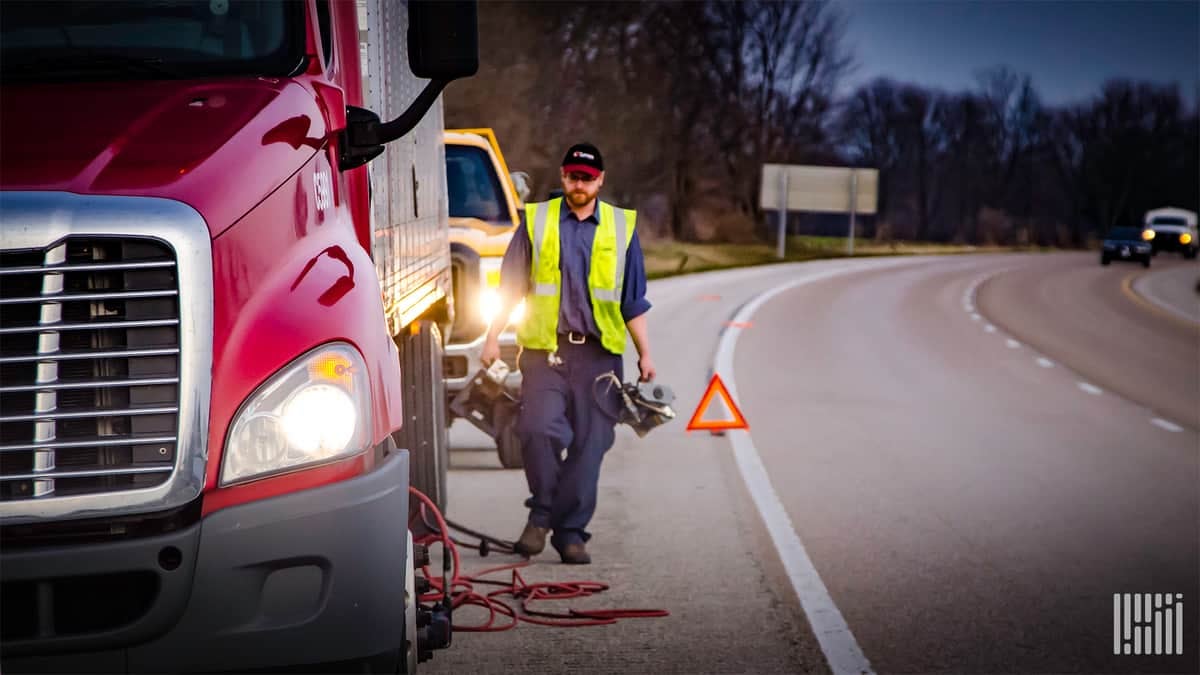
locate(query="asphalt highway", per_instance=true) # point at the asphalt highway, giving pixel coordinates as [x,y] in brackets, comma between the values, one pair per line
[961,460]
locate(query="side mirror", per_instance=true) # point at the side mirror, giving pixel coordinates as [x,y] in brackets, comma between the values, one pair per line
[443,39]
[521,182]
[443,45]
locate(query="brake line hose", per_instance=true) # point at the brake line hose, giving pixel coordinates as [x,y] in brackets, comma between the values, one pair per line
[462,589]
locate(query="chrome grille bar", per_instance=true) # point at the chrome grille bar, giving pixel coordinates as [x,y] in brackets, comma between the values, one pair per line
[89,443]
[93,384]
[86,414]
[98,325]
[45,430]
[88,473]
[68,297]
[103,267]
[107,354]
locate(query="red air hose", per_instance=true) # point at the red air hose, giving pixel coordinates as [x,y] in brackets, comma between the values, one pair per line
[462,589]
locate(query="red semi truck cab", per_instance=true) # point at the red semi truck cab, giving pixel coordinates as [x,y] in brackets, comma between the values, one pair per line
[221,294]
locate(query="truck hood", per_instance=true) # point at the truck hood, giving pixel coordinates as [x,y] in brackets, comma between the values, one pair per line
[483,237]
[219,145]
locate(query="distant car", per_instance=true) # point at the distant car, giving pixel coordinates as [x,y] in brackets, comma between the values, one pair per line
[1126,243]
[1172,229]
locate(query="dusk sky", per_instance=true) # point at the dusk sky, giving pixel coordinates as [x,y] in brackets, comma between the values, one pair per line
[1069,48]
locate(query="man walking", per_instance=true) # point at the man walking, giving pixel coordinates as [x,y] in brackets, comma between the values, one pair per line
[577,263]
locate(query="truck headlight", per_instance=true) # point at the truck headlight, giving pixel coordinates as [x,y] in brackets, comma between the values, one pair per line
[1147,235]
[1185,238]
[315,410]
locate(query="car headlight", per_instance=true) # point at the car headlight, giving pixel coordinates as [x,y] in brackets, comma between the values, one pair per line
[1185,238]
[1147,234]
[315,410]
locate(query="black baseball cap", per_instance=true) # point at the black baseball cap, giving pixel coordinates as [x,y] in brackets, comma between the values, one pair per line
[584,158]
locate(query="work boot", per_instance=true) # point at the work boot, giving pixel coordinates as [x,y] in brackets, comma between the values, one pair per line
[574,554]
[532,541]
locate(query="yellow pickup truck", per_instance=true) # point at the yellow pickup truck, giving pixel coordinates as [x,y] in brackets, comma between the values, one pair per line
[485,204]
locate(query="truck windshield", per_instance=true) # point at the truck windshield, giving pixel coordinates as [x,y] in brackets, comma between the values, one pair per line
[473,185]
[159,39]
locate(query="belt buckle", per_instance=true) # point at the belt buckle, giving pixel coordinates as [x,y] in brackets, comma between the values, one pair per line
[571,338]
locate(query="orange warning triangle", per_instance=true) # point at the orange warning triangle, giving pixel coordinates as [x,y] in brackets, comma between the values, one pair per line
[716,386]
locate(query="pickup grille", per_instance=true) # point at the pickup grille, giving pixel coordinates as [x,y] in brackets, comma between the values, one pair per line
[89,367]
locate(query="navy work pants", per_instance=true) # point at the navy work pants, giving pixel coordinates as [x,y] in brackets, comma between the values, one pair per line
[560,412]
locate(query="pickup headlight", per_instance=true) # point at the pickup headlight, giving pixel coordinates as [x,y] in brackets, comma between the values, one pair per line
[489,296]
[1148,235]
[489,305]
[315,410]
[1185,238]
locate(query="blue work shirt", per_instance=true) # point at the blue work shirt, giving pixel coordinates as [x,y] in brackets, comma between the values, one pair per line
[574,261]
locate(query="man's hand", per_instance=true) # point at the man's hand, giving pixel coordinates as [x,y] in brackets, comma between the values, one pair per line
[646,367]
[491,351]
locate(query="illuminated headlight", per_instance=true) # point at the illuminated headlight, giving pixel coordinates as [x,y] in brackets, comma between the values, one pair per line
[1185,238]
[1147,234]
[316,410]
[489,307]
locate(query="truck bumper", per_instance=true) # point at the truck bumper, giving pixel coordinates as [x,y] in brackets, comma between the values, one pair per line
[461,361]
[307,578]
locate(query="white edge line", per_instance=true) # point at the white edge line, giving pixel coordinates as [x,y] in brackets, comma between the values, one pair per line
[1169,426]
[837,643]
[1090,388]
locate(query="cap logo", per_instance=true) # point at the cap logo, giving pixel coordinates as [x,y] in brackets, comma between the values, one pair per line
[580,153]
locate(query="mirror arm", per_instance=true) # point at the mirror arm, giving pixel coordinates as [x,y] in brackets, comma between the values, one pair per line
[365,134]
[390,131]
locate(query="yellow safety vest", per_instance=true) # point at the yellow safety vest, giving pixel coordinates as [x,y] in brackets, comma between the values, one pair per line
[606,276]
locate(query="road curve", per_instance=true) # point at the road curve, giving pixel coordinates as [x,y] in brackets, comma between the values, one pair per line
[968,508]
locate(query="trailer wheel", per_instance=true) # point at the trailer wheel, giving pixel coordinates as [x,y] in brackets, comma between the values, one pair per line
[424,433]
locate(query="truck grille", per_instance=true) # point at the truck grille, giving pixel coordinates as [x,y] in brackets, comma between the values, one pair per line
[89,367]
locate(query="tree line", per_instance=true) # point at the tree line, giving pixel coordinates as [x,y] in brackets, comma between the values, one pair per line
[687,100]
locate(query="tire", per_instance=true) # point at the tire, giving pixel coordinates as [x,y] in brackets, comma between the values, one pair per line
[1146,261]
[424,433]
[508,444]
[1189,254]
[508,447]
[1104,260]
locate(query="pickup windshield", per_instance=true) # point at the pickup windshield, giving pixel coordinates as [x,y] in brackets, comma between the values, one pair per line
[159,39]
[473,186]
[1168,220]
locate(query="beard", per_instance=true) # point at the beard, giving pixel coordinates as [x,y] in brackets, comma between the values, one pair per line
[579,198]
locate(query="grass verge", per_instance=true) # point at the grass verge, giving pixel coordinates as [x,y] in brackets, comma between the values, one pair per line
[670,258]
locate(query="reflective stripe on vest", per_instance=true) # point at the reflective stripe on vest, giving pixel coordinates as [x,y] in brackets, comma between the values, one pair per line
[606,275]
